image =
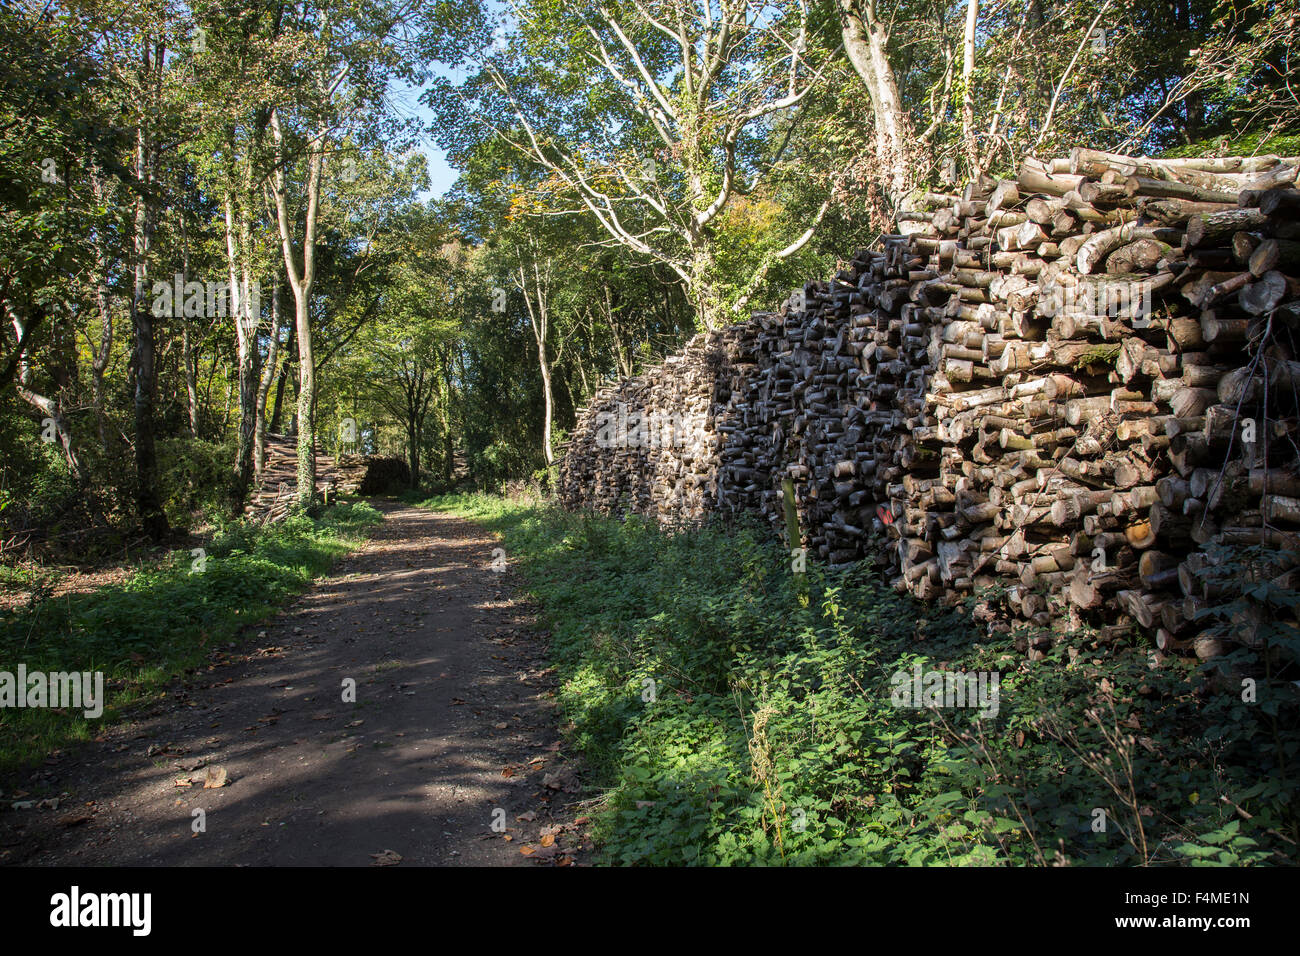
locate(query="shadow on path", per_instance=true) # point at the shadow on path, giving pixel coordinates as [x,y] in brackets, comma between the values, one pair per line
[453,720]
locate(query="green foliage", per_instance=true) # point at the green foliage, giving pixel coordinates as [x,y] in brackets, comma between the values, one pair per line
[1239,144]
[1098,355]
[165,620]
[195,478]
[772,737]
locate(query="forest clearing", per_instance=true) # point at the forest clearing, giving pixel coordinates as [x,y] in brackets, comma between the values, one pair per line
[511,433]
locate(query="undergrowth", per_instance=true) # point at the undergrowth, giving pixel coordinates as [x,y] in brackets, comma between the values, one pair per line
[165,619]
[733,713]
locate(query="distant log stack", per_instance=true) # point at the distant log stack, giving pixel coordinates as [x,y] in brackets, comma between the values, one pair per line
[371,474]
[1072,384]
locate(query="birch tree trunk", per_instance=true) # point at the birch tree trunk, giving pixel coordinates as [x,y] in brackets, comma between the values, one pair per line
[539,318]
[301,277]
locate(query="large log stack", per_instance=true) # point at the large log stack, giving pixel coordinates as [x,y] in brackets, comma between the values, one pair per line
[277,487]
[1073,384]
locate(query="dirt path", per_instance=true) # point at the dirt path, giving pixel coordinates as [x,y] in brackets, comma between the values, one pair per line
[452,721]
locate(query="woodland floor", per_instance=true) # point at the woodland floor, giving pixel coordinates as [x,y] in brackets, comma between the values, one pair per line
[454,719]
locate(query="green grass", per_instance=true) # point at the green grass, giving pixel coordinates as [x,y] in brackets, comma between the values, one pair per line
[162,621]
[771,736]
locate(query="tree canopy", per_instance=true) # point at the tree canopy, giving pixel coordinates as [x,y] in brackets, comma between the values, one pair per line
[217,222]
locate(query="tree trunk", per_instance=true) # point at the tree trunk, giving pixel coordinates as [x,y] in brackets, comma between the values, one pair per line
[291,353]
[549,402]
[967,94]
[306,402]
[51,408]
[99,361]
[865,42]
[189,360]
[246,314]
[413,450]
[101,355]
[301,279]
[148,498]
[539,317]
[264,385]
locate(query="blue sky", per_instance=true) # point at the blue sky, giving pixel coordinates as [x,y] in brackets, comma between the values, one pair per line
[441,176]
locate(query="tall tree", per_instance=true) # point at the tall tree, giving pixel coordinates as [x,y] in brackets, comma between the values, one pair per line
[650,117]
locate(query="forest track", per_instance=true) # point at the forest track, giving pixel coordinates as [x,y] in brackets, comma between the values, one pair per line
[454,726]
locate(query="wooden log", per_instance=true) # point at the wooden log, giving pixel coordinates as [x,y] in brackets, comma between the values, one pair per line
[1208,228]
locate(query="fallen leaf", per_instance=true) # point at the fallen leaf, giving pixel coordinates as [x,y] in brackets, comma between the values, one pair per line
[386,858]
[563,779]
[214,778]
[548,840]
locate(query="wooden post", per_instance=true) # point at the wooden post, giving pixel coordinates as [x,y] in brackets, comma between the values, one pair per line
[792,537]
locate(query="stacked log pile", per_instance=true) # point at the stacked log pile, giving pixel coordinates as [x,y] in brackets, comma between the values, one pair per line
[650,444]
[371,474]
[276,490]
[1074,384]
[351,471]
